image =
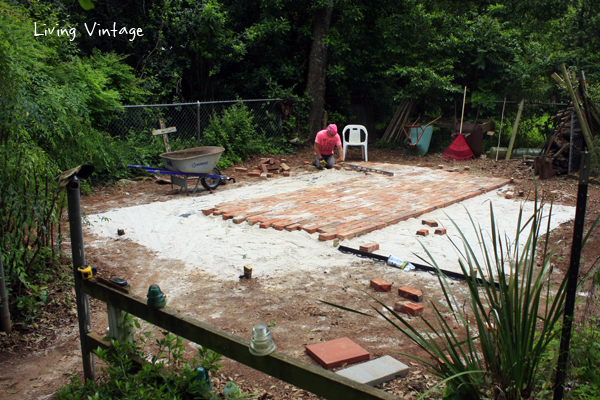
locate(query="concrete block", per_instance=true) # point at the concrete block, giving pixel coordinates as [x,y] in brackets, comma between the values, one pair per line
[410,293]
[376,372]
[369,247]
[381,285]
[264,176]
[336,353]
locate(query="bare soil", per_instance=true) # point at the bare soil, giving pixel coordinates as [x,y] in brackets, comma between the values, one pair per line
[36,360]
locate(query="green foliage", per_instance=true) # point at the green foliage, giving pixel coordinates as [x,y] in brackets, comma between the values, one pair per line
[167,376]
[595,158]
[235,131]
[31,204]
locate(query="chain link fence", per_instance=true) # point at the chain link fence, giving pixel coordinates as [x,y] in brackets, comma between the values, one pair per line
[191,119]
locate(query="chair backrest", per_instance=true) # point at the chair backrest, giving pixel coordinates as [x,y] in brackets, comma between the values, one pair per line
[353,134]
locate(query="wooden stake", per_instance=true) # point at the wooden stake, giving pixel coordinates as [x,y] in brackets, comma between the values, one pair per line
[515,129]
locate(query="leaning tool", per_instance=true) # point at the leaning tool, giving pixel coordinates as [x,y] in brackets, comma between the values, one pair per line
[368,169]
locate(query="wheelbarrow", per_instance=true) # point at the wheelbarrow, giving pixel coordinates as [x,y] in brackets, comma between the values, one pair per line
[418,137]
[199,162]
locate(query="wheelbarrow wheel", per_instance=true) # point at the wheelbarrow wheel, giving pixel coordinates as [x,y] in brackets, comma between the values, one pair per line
[211,183]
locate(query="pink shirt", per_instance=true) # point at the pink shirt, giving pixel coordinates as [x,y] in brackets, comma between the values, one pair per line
[326,143]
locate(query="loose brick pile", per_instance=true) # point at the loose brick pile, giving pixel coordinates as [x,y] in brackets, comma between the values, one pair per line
[357,206]
[267,167]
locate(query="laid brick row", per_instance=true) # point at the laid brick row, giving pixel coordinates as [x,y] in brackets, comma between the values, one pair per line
[360,205]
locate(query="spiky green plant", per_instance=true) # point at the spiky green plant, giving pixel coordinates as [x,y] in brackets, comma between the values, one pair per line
[505,322]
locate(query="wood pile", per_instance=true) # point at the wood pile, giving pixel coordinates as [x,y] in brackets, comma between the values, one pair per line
[394,130]
[561,147]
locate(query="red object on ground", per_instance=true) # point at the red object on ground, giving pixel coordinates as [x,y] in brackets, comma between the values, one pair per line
[369,247]
[381,285]
[410,293]
[458,150]
[409,308]
[336,353]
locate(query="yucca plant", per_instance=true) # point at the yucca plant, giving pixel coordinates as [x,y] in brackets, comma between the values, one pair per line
[505,321]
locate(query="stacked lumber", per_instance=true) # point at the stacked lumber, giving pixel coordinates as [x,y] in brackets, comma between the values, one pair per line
[394,130]
[269,166]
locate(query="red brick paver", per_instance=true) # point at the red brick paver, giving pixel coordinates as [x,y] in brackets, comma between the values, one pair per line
[336,353]
[361,205]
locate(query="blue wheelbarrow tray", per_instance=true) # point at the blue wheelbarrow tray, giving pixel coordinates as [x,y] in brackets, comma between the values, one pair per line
[422,145]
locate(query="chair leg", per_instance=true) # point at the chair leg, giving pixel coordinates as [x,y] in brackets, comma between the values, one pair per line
[365,152]
[344,151]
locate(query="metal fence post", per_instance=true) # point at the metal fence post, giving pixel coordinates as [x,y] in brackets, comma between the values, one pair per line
[198,115]
[573,274]
[78,254]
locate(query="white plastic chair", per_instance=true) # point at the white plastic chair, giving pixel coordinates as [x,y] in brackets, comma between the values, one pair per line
[351,136]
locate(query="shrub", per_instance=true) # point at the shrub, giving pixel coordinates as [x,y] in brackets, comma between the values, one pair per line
[167,376]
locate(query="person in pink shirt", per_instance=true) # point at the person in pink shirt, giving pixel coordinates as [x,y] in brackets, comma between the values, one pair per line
[325,143]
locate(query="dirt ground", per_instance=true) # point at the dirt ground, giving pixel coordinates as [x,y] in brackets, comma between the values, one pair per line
[36,360]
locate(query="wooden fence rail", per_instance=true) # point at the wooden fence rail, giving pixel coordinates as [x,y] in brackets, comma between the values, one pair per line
[312,378]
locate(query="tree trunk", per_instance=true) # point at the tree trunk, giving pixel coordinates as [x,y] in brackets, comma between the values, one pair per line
[317,68]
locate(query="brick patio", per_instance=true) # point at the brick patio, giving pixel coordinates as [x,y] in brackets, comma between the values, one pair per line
[360,205]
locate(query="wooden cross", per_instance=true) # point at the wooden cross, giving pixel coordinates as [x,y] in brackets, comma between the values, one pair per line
[163,131]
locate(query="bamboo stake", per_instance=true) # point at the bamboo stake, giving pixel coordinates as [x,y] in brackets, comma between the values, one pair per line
[500,134]
[584,126]
[515,129]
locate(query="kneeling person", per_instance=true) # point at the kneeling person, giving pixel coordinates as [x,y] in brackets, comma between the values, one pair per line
[325,142]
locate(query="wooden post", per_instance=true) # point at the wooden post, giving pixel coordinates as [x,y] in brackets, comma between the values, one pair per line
[515,129]
[585,129]
[163,131]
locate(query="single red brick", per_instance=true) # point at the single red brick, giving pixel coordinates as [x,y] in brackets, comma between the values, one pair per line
[240,169]
[423,232]
[239,219]
[327,236]
[208,211]
[440,231]
[410,293]
[430,223]
[409,308]
[293,227]
[305,162]
[381,285]
[269,175]
[263,168]
[467,168]
[369,247]
[254,174]
[338,167]
[286,173]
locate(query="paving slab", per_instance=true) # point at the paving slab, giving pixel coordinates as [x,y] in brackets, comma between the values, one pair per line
[336,353]
[360,205]
[376,372]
